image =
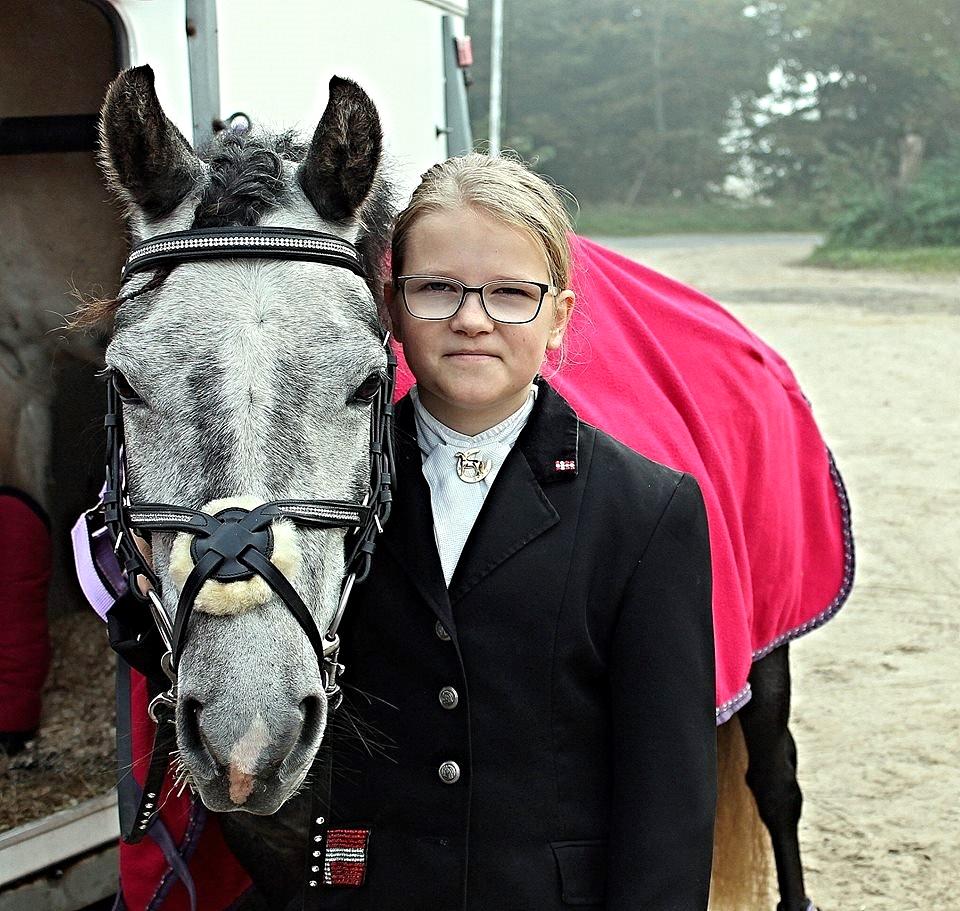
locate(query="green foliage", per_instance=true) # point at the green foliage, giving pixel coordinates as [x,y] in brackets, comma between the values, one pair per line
[630,97]
[853,73]
[944,260]
[872,212]
[651,105]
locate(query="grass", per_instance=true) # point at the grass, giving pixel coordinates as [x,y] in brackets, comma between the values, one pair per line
[710,217]
[916,259]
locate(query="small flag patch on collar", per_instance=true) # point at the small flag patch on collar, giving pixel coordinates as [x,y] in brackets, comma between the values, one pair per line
[345,861]
[565,465]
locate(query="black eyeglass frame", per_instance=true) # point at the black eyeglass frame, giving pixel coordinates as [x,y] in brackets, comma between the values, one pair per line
[401,282]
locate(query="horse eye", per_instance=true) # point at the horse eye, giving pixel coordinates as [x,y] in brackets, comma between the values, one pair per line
[368,389]
[128,395]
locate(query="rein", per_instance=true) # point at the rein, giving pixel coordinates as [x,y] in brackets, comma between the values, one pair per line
[236,543]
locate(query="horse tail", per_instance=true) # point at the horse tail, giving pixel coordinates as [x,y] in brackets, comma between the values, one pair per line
[741,854]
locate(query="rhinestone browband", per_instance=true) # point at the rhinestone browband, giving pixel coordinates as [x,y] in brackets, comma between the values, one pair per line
[230,243]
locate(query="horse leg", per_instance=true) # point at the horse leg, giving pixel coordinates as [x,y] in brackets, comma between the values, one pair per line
[772,771]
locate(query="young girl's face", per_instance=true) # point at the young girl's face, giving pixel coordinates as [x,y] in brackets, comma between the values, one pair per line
[473,372]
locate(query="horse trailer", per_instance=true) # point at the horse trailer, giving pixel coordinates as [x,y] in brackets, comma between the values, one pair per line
[219,65]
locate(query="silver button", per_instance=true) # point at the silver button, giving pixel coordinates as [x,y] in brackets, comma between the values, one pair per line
[449,697]
[442,634]
[449,772]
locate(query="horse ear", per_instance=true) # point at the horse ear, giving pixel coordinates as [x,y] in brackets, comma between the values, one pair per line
[146,160]
[342,161]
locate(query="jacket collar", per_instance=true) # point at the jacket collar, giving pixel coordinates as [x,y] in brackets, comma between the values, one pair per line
[409,533]
[549,441]
[551,438]
[515,512]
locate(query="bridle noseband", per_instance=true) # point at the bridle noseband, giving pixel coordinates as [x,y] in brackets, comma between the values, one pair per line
[236,543]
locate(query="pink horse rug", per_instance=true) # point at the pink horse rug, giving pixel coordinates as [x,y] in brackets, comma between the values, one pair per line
[674,376]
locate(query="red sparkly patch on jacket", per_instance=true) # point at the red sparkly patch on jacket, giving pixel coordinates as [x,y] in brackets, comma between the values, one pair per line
[345,861]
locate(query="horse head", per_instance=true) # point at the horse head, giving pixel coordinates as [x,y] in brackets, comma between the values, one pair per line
[240,381]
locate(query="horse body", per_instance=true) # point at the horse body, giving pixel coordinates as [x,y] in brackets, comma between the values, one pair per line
[241,374]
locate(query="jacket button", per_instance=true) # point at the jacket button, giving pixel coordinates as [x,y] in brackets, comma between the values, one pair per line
[442,634]
[449,772]
[449,697]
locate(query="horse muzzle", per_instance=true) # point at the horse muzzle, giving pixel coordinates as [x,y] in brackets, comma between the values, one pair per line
[253,763]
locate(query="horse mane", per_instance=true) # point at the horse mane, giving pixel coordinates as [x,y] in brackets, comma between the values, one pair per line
[245,180]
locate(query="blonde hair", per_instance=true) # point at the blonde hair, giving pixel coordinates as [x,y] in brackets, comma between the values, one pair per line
[501,187]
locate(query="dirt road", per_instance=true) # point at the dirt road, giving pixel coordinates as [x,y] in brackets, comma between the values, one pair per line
[877,690]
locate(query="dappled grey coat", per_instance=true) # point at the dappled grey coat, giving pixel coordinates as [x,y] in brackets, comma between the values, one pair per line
[577,635]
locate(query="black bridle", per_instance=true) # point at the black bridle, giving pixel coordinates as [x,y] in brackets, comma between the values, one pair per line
[236,543]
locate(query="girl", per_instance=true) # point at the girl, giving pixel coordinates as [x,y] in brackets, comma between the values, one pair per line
[535,637]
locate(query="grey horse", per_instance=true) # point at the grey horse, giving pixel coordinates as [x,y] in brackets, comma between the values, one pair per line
[239,381]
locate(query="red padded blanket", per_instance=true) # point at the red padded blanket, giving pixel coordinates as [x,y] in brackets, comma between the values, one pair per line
[25,561]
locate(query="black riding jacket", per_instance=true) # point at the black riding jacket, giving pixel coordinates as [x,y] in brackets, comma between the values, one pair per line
[542,735]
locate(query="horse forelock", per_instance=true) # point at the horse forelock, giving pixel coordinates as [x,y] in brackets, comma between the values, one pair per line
[245,179]
[249,175]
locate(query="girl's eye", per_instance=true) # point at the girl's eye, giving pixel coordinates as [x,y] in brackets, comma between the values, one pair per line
[521,289]
[128,395]
[439,287]
[367,391]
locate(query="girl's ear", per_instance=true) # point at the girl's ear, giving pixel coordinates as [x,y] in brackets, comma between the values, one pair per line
[562,313]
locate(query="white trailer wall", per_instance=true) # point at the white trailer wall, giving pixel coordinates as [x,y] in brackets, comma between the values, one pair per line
[276,59]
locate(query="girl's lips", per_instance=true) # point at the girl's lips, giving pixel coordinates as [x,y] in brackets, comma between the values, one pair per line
[470,354]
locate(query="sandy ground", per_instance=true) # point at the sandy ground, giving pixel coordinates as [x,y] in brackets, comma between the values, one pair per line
[877,690]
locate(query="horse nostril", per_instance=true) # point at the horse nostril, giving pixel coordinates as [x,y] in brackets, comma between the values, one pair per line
[194,740]
[312,713]
[190,709]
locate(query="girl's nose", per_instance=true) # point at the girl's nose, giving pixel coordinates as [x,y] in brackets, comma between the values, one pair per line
[471,318]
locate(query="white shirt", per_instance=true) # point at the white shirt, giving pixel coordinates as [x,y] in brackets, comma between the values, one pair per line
[454,502]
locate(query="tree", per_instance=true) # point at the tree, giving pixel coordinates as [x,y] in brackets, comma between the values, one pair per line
[856,75]
[623,99]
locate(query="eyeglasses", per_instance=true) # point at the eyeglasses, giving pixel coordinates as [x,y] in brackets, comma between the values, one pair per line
[506,301]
